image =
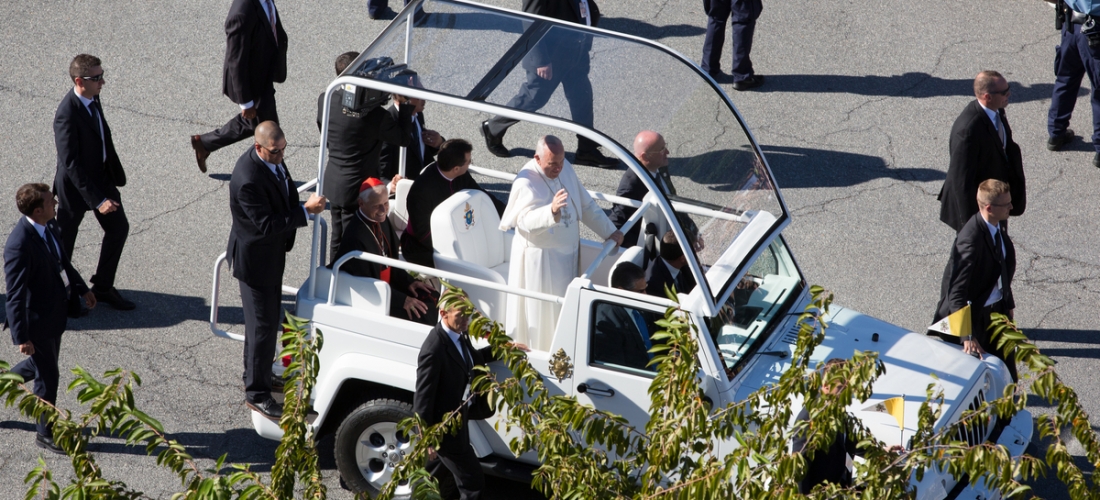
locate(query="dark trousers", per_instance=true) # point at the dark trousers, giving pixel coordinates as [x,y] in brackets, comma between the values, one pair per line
[42,368]
[237,128]
[115,230]
[262,320]
[1072,62]
[462,463]
[342,217]
[981,322]
[571,72]
[742,15]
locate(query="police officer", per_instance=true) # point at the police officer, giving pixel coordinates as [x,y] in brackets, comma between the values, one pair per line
[1074,59]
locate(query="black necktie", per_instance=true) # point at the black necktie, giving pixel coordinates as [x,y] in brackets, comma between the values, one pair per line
[418,143]
[464,340]
[282,180]
[50,242]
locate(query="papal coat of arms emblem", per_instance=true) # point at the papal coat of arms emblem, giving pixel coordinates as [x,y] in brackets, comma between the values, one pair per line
[468,216]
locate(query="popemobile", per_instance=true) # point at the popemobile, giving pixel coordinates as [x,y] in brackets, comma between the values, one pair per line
[469,60]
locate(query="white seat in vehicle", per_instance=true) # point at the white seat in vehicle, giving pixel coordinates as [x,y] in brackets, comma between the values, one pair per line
[633,254]
[468,241]
[366,294]
[399,214]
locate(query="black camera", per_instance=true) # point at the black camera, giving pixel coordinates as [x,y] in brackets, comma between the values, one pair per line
[359,100]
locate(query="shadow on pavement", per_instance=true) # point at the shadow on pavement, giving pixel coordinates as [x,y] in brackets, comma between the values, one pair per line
[916,85]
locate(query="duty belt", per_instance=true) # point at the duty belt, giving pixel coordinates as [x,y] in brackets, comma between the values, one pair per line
[1075,17]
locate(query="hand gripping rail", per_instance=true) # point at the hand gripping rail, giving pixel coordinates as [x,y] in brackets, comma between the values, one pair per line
[215,295]
[609,245]
[400,264]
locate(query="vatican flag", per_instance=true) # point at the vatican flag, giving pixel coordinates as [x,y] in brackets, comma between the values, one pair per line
[893,406]
[957,324]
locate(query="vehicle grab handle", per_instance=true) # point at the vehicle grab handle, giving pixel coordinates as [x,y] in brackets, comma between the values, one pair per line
[584,388]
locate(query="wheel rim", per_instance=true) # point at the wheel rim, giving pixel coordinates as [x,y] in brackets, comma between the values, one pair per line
[378,452]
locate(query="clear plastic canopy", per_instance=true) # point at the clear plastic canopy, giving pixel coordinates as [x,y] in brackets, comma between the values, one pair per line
[479,56]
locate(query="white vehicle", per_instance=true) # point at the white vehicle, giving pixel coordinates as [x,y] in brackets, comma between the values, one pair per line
[468,57]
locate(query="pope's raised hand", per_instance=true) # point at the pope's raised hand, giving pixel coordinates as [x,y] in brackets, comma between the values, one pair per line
[560,200]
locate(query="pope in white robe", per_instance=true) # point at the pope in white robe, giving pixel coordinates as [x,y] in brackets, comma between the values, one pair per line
[546,206]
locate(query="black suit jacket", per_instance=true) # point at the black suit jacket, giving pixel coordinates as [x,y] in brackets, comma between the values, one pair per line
[441,379]
[83,179]
[355,142]
[358,237]
[391,153]
[429,190]
[559,44]
[264,221]
[254,58]
[37,302]
[976,266]
[618,339]
[976,155]
[631,186]
[661,276]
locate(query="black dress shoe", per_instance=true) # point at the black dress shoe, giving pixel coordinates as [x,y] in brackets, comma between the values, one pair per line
[267,406]
[594,158]
[1059,141]
[1096,160]
[277,383]
[749,83]
[111,297]
[46,443]
[493,143]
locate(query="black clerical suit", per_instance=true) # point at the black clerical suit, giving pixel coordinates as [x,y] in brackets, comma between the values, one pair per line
[631,186]
[255,60]
[567,53]
[977,155]
[442,375]
[364,235]
[976,265]
[36,303]
[660,275]
[431,189]
[355,142]
[266,215]
[414,161]
[88,173]
[826,465]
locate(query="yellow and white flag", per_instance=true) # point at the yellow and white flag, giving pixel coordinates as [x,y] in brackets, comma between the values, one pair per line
[895,407]
[957,324]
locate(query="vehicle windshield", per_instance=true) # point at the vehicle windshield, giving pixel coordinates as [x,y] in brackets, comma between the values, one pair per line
[755,306]
[479,54]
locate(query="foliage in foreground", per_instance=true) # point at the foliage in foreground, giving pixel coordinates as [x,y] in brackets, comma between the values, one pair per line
[587,453]
[690,450]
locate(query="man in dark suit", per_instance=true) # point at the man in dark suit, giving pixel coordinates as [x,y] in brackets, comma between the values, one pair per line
[448,175]
[652,152]
[371,232]
[255,59]
[560,58]
[622,335]
[355,139]
[743,15]
[423,143]
[983,262]
[40,282]
[671,269]
[89,174]
[981,148]
[264,204]
[444,370]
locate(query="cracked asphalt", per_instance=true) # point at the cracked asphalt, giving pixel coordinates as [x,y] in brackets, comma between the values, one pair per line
[853,118]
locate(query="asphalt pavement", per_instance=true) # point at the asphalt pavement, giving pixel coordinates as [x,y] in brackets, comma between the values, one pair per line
[854,118]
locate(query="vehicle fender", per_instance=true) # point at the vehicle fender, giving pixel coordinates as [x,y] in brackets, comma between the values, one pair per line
[381,371]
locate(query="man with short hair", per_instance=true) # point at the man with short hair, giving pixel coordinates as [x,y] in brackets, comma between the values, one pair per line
[546,207]
[88,176]
[422,143]
[983,262]
[355,141]
[41,282]
[255,60]
[266,215]
[448,175]
[671,269]
[622,334]
[981,148]
[371,232]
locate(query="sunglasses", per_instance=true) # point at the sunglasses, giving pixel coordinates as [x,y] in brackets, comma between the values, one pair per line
[97,78]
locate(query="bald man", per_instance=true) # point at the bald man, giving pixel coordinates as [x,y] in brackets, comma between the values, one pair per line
[546,207]
[266,215]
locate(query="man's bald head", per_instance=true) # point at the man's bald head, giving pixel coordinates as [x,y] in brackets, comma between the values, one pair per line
[651,150]
[550,155]
[268,133]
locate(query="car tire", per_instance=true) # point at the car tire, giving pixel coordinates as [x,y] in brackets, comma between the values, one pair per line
[369,446]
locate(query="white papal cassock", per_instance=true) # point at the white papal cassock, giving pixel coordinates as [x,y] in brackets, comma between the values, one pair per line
[545,254]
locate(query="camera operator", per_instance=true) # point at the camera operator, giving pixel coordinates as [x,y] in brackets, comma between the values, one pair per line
[1078,55]
[355,138]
